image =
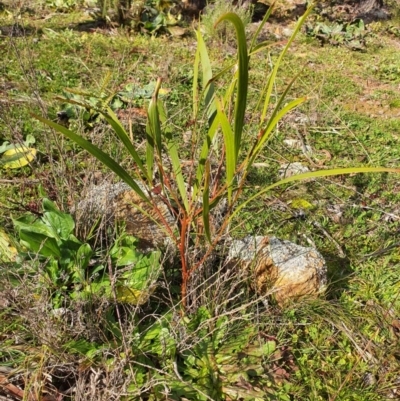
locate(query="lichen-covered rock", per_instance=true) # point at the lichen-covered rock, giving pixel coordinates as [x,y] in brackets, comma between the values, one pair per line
[280,268]
[119,203]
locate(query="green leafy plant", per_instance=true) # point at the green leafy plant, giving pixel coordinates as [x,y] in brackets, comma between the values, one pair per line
[151,15]
[197,198]
[389,70]
[352,34]
[63,5]
[51,237]
[393,30]
[212,357]
[123,12]
[226,358]
[136,273]
[157,15]
[71,267]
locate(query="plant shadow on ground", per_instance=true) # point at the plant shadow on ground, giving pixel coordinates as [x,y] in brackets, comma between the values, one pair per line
[18,30]
[339,274]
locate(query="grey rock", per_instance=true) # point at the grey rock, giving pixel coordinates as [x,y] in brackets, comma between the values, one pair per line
[290,169]
[119,203]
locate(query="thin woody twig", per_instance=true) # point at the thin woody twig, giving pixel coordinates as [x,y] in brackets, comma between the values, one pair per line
[10,388]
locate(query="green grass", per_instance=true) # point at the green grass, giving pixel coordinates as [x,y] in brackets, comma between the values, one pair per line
[327,346]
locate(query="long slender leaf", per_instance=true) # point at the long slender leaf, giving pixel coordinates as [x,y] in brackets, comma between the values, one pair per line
[283,98]
[230,155]
[97,153]
[272,77]
[149,150]
[315,174]
[243,78]
[229,92]
[162,115]
[154,133]
[208,93]
[271,125]
[176,165]
[223,71]
[154,119]
[195,87]
[207,84]
[265,45]
[156,115]
[123,136]
[121,133]
[80,92]
[205,150]
[261,26]
[206,203]
[264,134]
[113,166]
[82,103]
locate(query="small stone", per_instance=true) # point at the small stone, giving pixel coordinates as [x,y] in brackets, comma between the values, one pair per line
[296,144]
[59,312]
[289,169]
[287,32]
